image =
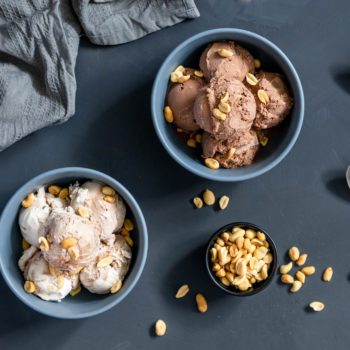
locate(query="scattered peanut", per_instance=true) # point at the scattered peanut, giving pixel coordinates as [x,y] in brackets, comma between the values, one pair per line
[302,260]
[25,244]
[257,63]
[54,190]
[129,240]
[212,163]
[84,212]
[68,242]
[28,201]
[128,224]
[60,281]
[316,306]
[74,252]
[308,270]
[251,79]
[263,96]
[168,114]
[225,53]
[43,244]
[29,287]
[63,193]
[191,143]
[75,291]
[286,268]
[160,328]
[198,202]
[327,274]
[208,197]
[116,287]
[108,191]
[294,253]
[110,199]
[223,202]
[218,114]
[287,279]
[105,261]
[300,276]
[182,291]
[264,140]
[198,73]
[231,152]
[296,286]
[202,304]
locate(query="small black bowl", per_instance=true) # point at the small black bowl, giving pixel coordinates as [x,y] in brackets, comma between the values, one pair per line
[258,287]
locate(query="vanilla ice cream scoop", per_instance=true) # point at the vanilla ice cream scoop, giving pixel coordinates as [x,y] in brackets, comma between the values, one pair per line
[26,256]
[110,215]
[111,267]
[33,220]
[48,286]
[72,240]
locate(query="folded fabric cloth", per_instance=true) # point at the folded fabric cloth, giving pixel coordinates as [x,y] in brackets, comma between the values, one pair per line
[39,44]
[111,22]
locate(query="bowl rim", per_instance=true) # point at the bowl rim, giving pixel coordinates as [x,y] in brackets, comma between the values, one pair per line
[88,173]
[264,283]
[211,175]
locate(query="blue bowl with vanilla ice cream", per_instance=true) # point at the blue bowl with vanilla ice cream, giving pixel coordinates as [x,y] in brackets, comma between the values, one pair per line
[74,243]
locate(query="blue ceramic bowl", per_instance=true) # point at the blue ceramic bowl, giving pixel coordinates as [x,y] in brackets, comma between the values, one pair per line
[85,304]
[273,59]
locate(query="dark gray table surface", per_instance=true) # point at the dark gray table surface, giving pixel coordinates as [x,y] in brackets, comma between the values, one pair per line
[304,201]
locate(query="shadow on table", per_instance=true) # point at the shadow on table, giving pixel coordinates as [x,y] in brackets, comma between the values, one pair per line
[17,320]
[336,183]
[341,75]
[122,142]
[191,269]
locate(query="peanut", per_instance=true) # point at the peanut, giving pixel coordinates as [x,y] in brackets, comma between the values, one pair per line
[208,197]
[28,201]
[294,253]
[327,274]
[182,291]
[160,328]
[202,304]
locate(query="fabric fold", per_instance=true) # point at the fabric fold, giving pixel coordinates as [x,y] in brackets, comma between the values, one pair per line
[39,43]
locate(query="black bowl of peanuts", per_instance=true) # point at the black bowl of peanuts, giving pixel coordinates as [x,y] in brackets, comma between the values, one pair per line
[241,259]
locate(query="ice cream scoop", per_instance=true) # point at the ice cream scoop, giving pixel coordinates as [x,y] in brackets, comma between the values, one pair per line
[231,153]
[181,97]
[48,286]
[236,65]
[33,220]
[240,108]
[279,102]
[26,256]
[110,215]
[110,268]
[72,240]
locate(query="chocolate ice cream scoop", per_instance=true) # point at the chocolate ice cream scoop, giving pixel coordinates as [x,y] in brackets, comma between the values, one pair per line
[48,285]
[236,66]
[100,279]
[239,111]
[72,240]
[279,102]
[90,196]
[180,99]
[231,153]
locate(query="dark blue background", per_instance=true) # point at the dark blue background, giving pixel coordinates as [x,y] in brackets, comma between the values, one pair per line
[303,202]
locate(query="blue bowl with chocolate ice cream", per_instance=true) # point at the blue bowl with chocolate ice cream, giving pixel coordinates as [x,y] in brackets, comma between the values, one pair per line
[92,231]
[227,104]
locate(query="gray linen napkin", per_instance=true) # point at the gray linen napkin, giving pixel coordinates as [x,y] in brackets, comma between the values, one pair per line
[39,42]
